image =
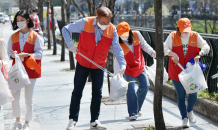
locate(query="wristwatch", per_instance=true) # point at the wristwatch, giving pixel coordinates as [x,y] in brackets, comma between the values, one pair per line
[28,55]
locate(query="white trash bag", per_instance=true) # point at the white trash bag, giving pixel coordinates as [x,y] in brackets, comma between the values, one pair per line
[5,94]
[193,79]
[118,88]
[17,76]
[151,71]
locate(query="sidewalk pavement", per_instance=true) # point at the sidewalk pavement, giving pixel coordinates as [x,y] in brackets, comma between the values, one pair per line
[52,98]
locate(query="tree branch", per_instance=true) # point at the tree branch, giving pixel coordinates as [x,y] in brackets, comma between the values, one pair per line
[91,3]
[65,2]
[100,4]
[74,3]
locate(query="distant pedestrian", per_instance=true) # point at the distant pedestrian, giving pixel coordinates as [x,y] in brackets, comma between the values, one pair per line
[50,25]
[28,45]
[132,42]
[97,35]
[35,20]
[181,45]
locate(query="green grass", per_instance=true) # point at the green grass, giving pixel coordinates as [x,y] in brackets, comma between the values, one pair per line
[212,96]
[75,42]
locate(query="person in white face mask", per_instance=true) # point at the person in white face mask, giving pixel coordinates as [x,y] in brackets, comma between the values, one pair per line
[50,25]
[97,35]
[132,42]
[35,20]
[28,45]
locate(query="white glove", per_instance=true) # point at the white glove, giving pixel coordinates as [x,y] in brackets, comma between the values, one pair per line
[153,55]
[122,70]
[73,48]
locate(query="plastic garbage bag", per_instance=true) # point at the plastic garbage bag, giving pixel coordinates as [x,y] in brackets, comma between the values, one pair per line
[151,71]
[118,88]
[18,77]
[5,94]
[192,62]
[193,79]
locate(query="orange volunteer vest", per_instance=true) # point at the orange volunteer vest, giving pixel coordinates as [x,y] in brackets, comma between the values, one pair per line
[35,21]
[28,48]
[135,63]
[88,47]
[174,70]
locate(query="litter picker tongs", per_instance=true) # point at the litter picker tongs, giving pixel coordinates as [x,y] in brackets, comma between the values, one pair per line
[214,76]
[104,69]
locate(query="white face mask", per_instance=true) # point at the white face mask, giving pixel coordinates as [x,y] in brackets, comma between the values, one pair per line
[34,13]
[103,27]
[124,38]
[49,15]
[22,24]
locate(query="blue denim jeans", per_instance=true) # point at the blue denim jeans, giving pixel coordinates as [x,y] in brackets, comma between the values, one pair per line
[135,99]
[181,95]
[80,78]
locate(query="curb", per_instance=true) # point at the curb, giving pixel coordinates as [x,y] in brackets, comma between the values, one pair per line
[202,106]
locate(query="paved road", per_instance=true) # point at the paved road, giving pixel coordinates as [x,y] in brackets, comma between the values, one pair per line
[52,98]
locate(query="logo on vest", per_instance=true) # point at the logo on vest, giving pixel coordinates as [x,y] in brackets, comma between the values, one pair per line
[192,42]
[108,33]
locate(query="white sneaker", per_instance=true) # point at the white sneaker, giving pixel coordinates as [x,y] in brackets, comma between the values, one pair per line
[133,118]
[185,123]
[139,113]
[97,125]
[26,127]
[18,125]
[191,117]
[71,124]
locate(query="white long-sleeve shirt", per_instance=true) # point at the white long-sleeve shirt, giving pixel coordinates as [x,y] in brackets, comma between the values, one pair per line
[201,43]
[3,54]
[144,46]
[38,45]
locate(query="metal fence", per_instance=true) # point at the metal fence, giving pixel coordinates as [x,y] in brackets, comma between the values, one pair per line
[211,59]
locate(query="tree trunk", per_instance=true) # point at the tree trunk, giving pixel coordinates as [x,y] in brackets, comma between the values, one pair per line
[74,3]
[48,27]
[40,14]
[157,105]
[205,19]
[53,29]
[63,24]
[22,5]
[71,57]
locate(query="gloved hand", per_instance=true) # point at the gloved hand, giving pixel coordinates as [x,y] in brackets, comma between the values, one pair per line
[73,48]
[153,55]
[122,70]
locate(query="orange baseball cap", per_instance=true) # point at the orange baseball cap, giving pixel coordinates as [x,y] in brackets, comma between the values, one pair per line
[184,25]
[123,29]
[49,11]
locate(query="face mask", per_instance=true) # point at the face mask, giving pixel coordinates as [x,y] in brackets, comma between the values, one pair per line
[103,27]
[49,15]
[34,13]
[124,38]
[22,24]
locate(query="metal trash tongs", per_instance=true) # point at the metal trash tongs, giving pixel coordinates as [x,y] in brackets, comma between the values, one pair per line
[214,76]
[104,69]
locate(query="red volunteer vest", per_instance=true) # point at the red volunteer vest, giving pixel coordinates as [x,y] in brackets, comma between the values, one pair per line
[135,63]
[35,21]
[88,47]
[174,70]
[28,48]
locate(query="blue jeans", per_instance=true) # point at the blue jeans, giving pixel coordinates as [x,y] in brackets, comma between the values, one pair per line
[80,78]
[135,100]
[181,95]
